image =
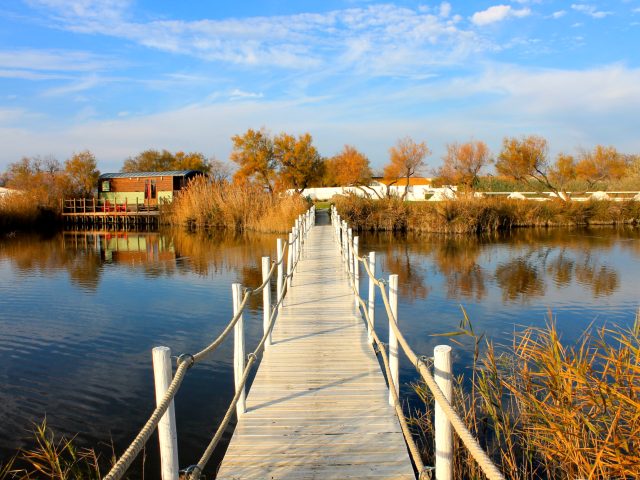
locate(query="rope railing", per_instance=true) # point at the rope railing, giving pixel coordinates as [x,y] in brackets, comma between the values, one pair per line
[348,248]
[185,361]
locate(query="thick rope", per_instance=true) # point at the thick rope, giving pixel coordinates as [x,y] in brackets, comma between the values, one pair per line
[136,446]
[225,421]
[476,451]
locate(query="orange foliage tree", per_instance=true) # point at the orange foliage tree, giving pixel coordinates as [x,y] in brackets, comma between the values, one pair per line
[601,164]
[348,168]
[254,154]
[299,162]
[463,162]
[527,160]
[275,163]
[82,173]
[406,159]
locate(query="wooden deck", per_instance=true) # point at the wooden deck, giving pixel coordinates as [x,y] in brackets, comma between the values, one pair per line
[318,407]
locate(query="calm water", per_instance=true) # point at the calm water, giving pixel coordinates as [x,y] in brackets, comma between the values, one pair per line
[79,314]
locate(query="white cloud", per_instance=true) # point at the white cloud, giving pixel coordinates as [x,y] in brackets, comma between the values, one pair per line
[240,94]
[498,13]
[558,14]
[445,9]
[53,60]
[590,10]
[406,37]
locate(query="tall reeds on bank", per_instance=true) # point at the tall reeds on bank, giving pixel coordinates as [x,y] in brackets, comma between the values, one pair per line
[238,206]
[23,212]
[480,215]
[547,410]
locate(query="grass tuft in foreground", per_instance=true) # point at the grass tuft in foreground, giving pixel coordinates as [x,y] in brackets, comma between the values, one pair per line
[51,458]
[549,410]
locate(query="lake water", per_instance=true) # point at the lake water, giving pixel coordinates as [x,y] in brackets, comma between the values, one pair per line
[80,312]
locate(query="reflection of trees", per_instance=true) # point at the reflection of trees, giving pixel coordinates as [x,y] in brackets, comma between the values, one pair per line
[411,284]
[602,279]
[32,254]
[519,280]
[561,268]
[456,258]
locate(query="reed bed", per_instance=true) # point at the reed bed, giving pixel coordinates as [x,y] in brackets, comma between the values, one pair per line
[547,410]
[237,206]
[480,215]
[23,212]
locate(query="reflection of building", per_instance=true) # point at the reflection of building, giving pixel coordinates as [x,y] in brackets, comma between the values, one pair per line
[124,247]
[147,188]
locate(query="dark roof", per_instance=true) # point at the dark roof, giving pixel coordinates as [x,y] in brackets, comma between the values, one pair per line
[169,173]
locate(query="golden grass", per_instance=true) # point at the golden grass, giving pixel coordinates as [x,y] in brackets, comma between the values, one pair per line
[51,458]
[550,410]
[479,215]
[22,212]
[238,206]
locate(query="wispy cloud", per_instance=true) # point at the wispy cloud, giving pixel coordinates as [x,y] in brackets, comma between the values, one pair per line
[498,13]
[238,94]
[53,60]
[395,35]
[590,10]
[558,14]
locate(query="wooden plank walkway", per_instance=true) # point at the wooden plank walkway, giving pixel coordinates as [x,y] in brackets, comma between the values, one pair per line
[318,407]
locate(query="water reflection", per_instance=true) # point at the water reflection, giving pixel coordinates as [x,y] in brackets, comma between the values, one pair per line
[86,254]
[523,264]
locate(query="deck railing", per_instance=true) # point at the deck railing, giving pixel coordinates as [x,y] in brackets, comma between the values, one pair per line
[167,385]
[440,386]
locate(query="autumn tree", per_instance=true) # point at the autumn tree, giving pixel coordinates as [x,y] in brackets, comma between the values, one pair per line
[298,161]
[349,168]
[81,173]
[161,161]
[39,177]
[562,172]
[601,164]
[526,160]
[406,159]
[463,162]
[253,152]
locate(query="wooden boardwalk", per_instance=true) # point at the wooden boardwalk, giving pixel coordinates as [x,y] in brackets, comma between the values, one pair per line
[318,407]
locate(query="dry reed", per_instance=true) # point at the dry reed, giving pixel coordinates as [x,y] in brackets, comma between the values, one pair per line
[238,206]
[549,410]
[480,215]
[22,212]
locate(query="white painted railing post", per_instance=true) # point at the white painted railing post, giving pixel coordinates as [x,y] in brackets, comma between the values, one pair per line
[356,270]
[289,260]
[280,257]
[266,298]
[372,295]
[167,432]
[393,340]
[238,348]
[350,254]
[442,373]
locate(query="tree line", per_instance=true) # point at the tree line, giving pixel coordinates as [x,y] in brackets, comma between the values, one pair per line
[285,161]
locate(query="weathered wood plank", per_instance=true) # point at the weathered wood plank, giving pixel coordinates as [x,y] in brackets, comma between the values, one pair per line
[318,406]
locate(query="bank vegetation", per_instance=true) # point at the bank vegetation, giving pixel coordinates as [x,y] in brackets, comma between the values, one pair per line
[546,409]
[480,215]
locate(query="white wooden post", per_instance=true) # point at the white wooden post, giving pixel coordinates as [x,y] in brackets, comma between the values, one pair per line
[289,260]
[372,295]
[393,340]
[280,256]
[238,347]
[442,373]
[350,253]
[167,433]
[356,270]
[266,298]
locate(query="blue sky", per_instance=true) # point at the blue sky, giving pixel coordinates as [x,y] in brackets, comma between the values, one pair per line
[120,76]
